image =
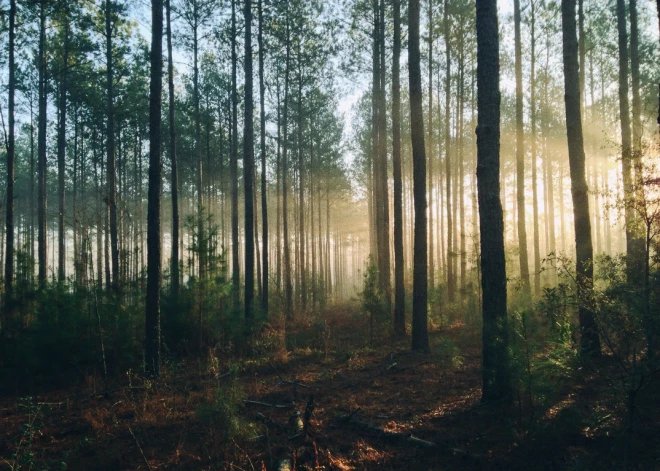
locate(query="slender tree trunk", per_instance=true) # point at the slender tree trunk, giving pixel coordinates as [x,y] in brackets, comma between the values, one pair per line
[420,339]
[496,372]
[9,259]
[535,197]
[637,131]
[626,144]
[41,144]
[262,139]
[61,153]
[111,178]
[201,236]
[461,159]
[154,244]
[288,287]
[520,157]
[384,206]
[174,270]
[451,280]
[589,340]
[32,198]
[278,213]
[301,260]
[233,165]
[430,146]
[399,288]
[248,174]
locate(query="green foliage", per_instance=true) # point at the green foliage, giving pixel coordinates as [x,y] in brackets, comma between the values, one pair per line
[373,299]
[223,415]
[24,455]
[448,351]
[200,315]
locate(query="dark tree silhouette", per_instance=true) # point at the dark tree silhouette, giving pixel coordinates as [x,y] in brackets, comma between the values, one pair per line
[496,372]
[262,144]
[248,173]
[399,289]
[173,160]
[154,246]
[420,336]
[589,340]
[9,260]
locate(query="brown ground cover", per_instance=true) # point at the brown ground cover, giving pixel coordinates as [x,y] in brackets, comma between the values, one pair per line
[367,401]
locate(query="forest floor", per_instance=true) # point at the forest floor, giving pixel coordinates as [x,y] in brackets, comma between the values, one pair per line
[374,408]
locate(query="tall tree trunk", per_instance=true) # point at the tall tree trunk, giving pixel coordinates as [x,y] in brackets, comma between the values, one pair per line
[399,288]
[496,372]
[278,213]
[460,161]
[520,156]
[626,144]
[32,198]
[535,197]
[174,270]
[589,340]
[9,259]
[41,144]
[262,142]
[384,206]
[233,166]
[430,146]
[420,338]
[111,178]
[154,244]
[201,237]
[61,152]
[248,174]
[451,280]
[301,260]
[288,287]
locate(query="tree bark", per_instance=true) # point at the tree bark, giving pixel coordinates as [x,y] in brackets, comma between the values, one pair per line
[589,340]
[154,244]
[533,119]
[626,144]
[174,270]
[41,148]
[262,142]
[61,152]
[451,280]
[520,157]
[496,372]
[288,287]
[9,259]
[399,288]
[233,166]
[431,267]
[111,165]
[248,174]
[420,339]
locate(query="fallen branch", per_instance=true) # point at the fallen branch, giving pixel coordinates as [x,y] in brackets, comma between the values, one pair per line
[379,431]
[140,448]
[270,422]
[265,404]
[395,367]
[286,381]
[404,437]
